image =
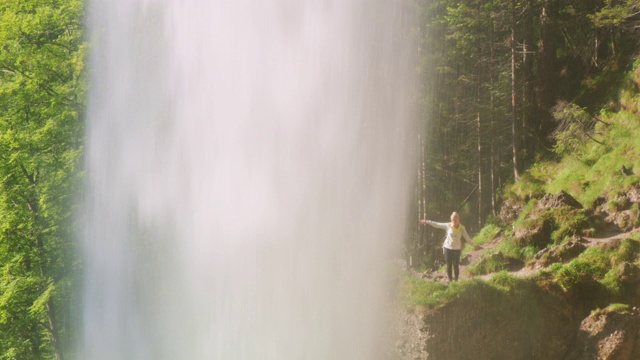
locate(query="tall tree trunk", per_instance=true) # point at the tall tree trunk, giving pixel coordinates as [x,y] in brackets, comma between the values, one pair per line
[53,329]
[547,63]
[492,149]
[479,164]
[514,117]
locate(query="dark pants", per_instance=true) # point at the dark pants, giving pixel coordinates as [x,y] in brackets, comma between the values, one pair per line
[452,258]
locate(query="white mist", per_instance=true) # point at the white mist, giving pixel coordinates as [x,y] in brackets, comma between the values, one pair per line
[249,174]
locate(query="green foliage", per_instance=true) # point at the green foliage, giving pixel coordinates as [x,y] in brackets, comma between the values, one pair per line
[488,263]
[505,281]
[531,185]
[613,283]
[569,222]
[42,91]
[572,131]
[616,14]
[511,248]
[598,266]
[522,221]
[501,289]
[545,226]
[628,251]
[595,169]
[578,271]
[618,307]
[486,234]
[430,294]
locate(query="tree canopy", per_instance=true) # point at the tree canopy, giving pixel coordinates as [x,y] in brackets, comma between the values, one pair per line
[42,91]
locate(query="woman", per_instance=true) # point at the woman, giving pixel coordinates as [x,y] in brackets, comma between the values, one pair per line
[452,244]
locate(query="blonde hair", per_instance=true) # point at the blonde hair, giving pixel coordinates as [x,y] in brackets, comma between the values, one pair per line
[455,215]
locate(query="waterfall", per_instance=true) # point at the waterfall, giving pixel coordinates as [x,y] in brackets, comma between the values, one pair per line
[249,173]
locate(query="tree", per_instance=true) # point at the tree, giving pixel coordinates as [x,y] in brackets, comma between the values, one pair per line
[42,89]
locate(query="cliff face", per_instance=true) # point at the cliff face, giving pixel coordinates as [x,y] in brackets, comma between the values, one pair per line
[537,325]
[547,315]
[608,334]
[533,324]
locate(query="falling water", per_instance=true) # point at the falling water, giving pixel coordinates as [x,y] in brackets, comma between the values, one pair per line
[249,165]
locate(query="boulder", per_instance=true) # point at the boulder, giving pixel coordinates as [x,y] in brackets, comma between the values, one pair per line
[509,211]
[560,199]
[608,334]
[525,324]
[625,220]
[538,235]
[562,253]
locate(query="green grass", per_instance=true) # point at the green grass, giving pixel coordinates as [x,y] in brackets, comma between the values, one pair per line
[595,168]
[618,307]
[431,294]
[576,272]
[570,222]
[503,280]
[487,264]
[488,233]
[425,293]
[502,291]
[499,257]
[591,170]
[599,264]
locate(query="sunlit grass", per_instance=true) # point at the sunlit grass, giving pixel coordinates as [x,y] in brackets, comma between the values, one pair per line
[487,234]
[502,287]
[599,264]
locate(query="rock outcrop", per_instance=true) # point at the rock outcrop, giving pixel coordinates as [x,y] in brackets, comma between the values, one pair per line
[610,335]
[561,253]
[490,325]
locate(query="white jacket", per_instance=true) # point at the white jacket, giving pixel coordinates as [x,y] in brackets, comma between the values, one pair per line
[453,240]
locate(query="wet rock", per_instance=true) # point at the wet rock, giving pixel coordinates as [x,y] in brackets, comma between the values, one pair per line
[608,334]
